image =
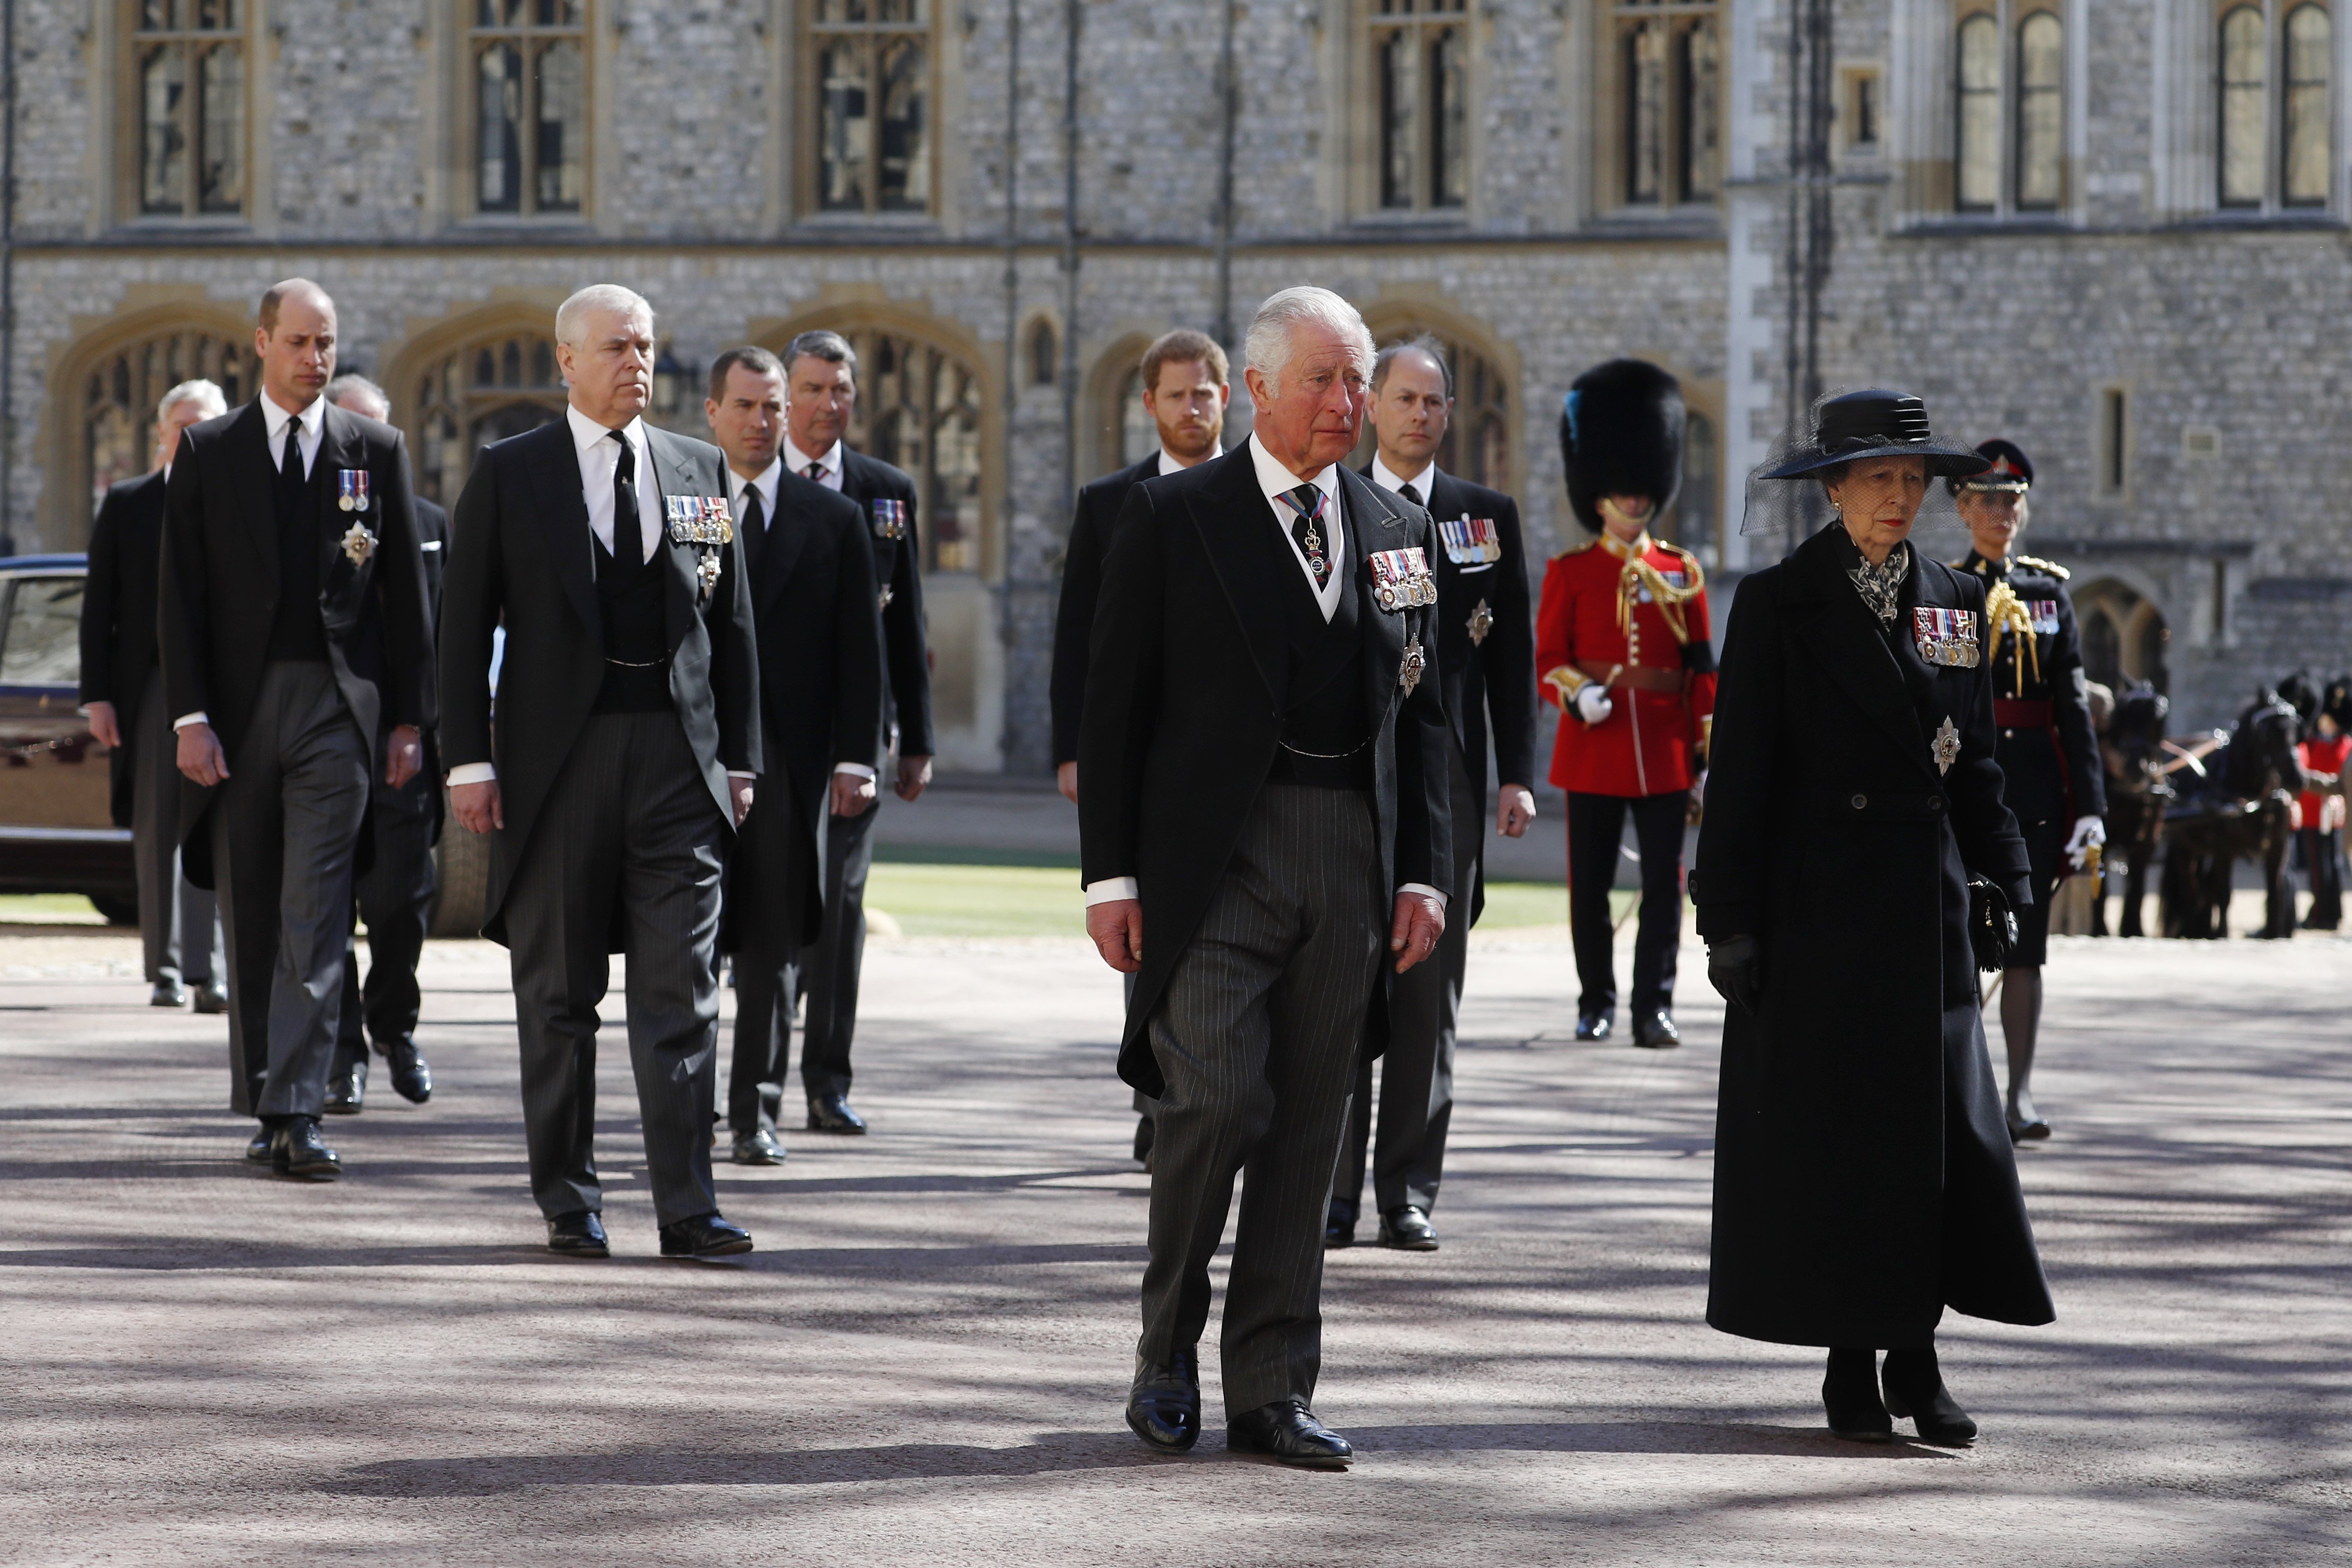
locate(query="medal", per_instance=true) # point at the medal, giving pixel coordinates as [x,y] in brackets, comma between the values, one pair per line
[359,544]
[1946,747]
[1482,621]
[1415,661]
[698,519]
[1470,541]
[2045,612]
[707,569]
[351,489]
[1402,581]
[1945,637]
[890,519]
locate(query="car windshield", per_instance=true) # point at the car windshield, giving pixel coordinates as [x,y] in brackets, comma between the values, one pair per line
[40,641]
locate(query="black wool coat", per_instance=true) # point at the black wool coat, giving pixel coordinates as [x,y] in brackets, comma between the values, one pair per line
[899,585]
[1189,672]
[1485,648]
[1082,568]
[812,604]
[522,553]
[219,581]
[1864,1177]
[118,618]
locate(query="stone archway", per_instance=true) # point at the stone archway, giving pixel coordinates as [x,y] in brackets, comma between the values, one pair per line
[1482,445]
[462,384]
[2124,635]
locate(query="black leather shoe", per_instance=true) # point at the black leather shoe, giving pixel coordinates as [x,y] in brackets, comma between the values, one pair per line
[1407,1228]
[1656,1032]
[298,1153]
[1143,1132]
[2025,1121]
[1849,1395]
[258,1151]
[412,1079]
[831,1114]
[1289,1431]
[1339,1228]
[1592,1025]
[706,1235]
[1915,1389]
[168,994]
[759,1148]
[579,1235]
[1163,1404]
[347,1091]
[211,996]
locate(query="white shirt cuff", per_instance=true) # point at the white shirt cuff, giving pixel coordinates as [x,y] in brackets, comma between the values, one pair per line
[1424,887]
[473,773]
[733,773]
[187,719]
[854,769]
[1111,889]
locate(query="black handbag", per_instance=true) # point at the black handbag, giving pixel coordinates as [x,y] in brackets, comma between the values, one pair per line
[1992,928]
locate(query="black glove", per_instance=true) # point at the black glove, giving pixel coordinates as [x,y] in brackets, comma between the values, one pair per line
[1734,967]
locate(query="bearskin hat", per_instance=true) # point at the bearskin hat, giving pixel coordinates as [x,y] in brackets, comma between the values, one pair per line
[1620,434]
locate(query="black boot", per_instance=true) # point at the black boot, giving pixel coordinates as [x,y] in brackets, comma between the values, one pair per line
[1850,1394]
[1915,1387]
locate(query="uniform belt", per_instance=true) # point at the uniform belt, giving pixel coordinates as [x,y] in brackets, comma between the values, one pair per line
[1640,678]
[2016,713]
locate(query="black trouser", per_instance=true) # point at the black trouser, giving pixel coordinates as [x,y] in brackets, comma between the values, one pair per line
[1596,826]
[179,926]
[2322,857]
[395,898]
[830,968]
[767,882]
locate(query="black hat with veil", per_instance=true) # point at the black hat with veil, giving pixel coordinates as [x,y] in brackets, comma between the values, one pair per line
[1843,428]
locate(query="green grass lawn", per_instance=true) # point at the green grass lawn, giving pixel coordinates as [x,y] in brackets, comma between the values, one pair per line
[47,909]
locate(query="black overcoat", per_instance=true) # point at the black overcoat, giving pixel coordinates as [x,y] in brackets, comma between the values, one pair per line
[1185,687]
[899,588]
[118,618]
[1091,523]
[1864,1178]
[522,553]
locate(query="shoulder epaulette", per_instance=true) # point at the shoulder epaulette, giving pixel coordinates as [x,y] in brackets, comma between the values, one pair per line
[2050,567]
[1578,549]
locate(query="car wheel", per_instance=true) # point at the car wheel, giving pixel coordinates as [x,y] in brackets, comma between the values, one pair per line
[461,869]
[118,911]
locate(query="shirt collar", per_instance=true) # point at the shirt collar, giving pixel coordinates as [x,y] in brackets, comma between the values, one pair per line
[587,432]
[1277,481]
[765,484]
[1170,466]
[1623,551]
[310,418]
[798,461]
[1387,478]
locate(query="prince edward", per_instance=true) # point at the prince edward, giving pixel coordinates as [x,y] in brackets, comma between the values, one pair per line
[620,765]
[1264,755]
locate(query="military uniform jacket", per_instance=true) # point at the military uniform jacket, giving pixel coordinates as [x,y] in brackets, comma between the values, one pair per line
[1190,670]
[118,617]
[1864,1177]
[1641,607]
[2049,751]
[898,589]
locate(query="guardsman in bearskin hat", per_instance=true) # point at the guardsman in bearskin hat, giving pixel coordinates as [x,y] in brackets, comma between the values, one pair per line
[2055,784]
[1622,649]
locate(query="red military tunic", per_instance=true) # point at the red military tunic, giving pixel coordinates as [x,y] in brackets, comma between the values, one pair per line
[1623,614]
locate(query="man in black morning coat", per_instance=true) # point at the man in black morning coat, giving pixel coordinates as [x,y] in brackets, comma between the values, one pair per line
[821,392]
[122,688]
[813,601]
[626,743]
[1264,802]
[294,632]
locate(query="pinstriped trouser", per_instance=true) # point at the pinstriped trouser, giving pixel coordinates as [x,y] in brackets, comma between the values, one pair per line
[1256,1036]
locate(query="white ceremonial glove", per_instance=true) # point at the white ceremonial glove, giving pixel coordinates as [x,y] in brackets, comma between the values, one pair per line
[2090,833]
[1593,704]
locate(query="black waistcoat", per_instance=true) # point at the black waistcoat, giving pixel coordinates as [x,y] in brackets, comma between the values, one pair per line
[637,641]
[1326,735]
[298,629]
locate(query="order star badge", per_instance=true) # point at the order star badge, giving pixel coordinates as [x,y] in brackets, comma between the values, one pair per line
[359,544]
[1947,746]
[1415,661]
[1482,621]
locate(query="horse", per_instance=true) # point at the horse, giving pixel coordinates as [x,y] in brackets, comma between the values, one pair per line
[2138,793]
[2249,815]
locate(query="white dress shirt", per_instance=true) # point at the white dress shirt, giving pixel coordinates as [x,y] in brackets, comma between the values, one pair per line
[1168,464]
[798,462]
[311,429]
[764,486]
[1388,479]
[1273,479]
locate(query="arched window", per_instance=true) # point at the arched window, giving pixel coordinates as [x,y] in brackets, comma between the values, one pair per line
[2306,134]
[1138,435]
[531,105]
[1477,445]
[919,407]
[119,405]
[494,389]
[1669,93]
[2040,111]
[1044,355]
[2241,94]
[1976,182]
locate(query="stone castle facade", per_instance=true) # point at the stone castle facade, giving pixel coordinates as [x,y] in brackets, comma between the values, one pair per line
[2115,234]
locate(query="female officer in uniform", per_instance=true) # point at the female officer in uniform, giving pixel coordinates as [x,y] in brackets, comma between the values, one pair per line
[2053,780]
[1864,1182]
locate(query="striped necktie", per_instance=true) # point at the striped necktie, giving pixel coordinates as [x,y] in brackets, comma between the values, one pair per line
[1307,503]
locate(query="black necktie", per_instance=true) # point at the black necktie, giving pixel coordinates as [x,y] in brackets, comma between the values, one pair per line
[1409,493]
[753,527]
[815,472]
[628,539]
[1306,528]
[293,489]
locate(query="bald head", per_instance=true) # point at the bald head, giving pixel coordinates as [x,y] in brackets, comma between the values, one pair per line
[295,343]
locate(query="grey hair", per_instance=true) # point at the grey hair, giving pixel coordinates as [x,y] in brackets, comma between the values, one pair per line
[200,391]
[821,343]
[1267,348]
[344,385]
[1419,343]
[570,317]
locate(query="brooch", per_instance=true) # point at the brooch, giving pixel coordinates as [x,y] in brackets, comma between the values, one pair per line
[1947,746]
[1415,661]
[359,544]
[1482,621]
